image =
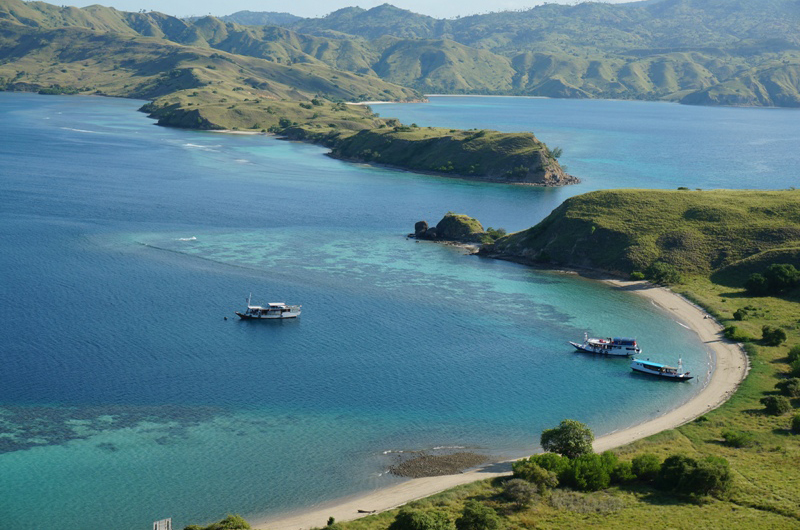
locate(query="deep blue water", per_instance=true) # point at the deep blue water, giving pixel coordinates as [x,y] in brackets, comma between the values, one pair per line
[125,396]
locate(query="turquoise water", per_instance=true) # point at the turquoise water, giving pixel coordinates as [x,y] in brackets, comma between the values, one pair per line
[127,397]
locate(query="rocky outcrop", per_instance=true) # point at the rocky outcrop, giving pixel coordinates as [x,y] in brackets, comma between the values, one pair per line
[453,227]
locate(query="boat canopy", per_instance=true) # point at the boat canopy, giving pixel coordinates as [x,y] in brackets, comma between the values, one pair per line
[651,363]
[625,341]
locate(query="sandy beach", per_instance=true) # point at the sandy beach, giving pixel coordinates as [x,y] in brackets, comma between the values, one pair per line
[731,367]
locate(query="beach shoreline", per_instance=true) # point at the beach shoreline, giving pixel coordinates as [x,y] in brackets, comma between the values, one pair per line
[730,368]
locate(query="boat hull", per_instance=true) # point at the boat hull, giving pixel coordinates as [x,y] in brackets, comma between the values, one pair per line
[679,377]
[267,317]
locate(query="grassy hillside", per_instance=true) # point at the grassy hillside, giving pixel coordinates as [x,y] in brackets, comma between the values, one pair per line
[698,52]
[730,234]
[502,157]
[694,51]
[697,232]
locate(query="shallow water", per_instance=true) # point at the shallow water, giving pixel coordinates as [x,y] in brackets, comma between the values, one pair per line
[127,397]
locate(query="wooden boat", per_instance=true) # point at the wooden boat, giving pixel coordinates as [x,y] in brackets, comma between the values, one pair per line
[618,346]
[661,370]
[271,311]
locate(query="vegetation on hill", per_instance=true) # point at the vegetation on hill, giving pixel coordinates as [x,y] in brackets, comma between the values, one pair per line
[691,232]
[489,155]
[729,52]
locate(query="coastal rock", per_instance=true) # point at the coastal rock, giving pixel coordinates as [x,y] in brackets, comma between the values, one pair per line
[453,227]
[428,465]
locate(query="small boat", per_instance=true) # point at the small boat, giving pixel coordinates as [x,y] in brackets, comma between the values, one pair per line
[661,370]
[619,346]
[273,310]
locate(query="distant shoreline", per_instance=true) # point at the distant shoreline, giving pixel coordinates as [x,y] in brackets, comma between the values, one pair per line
[730,368]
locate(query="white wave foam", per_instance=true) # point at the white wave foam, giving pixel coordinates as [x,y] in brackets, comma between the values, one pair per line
[242,161]
[79,130]
[187,238]
[440,447]
[201,147]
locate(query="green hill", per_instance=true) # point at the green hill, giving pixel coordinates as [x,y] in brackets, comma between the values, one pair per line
[710,52]
[488,155]
[696,232]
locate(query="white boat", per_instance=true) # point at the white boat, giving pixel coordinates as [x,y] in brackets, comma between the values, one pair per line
[273,310]
[661,370]
[619,346]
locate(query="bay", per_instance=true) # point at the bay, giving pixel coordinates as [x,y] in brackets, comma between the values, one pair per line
[127,396]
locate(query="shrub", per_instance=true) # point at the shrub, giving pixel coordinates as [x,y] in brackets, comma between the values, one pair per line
[520,492]
[789,387]
[637,275]
[408,519]
[740,314]
[673,471]
[660,272]
[794,353]
[796,424]
[588,472]
[711,476]
[646,466]
[551,462]
[794,367]
[544,479]
[756,285]
[739,438]
[776,405]
[772,336]
[571,438]
[477,516]
[685,475]
[622,473]
[735,334]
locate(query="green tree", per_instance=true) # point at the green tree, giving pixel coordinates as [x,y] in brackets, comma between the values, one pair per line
[589,472]
[665,273]
[796,424]
[781,277]
[571,438]
[756,285]
[477,516]
[794,353]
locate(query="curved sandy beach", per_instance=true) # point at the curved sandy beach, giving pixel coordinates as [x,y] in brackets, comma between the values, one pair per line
[731,367]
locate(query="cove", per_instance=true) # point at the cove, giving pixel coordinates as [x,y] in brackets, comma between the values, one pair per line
[127,397]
